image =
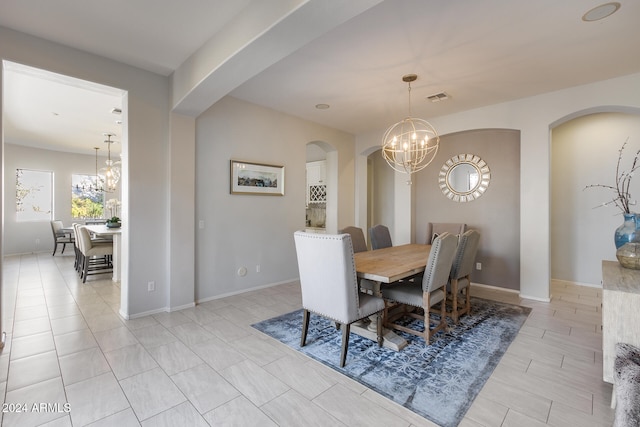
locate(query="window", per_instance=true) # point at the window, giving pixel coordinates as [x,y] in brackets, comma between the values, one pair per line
[87,199]
[34,195]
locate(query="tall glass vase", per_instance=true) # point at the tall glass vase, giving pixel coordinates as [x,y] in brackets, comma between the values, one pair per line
[628,231]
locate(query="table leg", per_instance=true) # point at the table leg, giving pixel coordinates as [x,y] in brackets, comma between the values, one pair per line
[117,244]
[392,340]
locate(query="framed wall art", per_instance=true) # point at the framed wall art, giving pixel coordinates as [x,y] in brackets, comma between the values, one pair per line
[256,178]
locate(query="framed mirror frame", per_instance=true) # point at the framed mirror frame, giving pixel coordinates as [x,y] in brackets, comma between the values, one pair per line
[474,191]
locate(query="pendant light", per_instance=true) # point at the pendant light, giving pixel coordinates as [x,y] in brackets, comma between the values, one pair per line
[110,174]
[411,144]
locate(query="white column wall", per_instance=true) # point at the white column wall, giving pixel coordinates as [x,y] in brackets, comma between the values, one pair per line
[181,253]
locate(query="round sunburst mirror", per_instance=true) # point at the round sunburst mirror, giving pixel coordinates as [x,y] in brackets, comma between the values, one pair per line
[464,177]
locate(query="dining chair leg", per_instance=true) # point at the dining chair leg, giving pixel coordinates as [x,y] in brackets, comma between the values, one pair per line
[305,327]
[379,329]
[468,296]
[85,269]
[80,263]
[443,315]
[454,297]
[345,343]
[426,299]
[64,246]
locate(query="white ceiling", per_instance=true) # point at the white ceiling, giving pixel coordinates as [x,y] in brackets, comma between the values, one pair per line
[47,110]
[478,52]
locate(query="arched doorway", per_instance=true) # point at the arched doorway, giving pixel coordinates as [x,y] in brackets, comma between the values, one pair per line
[584,151]
[385,194]
[323,152]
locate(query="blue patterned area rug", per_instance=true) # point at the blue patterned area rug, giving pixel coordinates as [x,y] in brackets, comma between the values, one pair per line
[439,382]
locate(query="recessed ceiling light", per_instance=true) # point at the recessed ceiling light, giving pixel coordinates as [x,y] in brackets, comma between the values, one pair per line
[118,122]
[116,110]
[54,113]
[322,106]
[601,12]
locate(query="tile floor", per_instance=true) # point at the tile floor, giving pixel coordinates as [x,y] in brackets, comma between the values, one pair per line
[68,348]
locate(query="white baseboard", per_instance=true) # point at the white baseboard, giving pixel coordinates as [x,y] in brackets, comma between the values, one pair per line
[181,307]
[569,282]
[495,288]
[523,296]
[514,291]
[242,291]
[146,313]
[200,301]
[160,310]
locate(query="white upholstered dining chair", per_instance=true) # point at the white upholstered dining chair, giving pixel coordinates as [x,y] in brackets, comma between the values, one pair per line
[430,292]
[329,284]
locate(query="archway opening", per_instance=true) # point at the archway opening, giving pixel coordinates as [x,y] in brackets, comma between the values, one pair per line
[50,104]
[584,151]
[321,205]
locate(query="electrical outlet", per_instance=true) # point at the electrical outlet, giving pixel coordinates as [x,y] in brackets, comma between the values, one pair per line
[37,242]
[201,224]
[258,268]
[478,266]
[151,286]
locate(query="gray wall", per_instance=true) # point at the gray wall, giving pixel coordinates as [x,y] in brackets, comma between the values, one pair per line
[244,230]
[496,214]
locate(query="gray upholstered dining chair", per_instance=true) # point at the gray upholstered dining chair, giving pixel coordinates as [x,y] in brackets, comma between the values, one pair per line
[434,229]
[359,245]
[60,237]
[329,284]
[357,238]
[380,237]
[76,247]
[432,291]
[96,256]
[460,276]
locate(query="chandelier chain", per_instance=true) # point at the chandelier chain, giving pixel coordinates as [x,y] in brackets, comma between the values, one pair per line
[409,90]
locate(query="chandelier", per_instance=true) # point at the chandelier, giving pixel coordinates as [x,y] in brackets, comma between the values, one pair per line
[411,144]
[110,174]
[95,184]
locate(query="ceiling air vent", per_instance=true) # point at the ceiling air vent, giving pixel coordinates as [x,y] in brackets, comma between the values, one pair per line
[438,97]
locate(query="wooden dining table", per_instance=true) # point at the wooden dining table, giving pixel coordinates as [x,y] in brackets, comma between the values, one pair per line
[389,265]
